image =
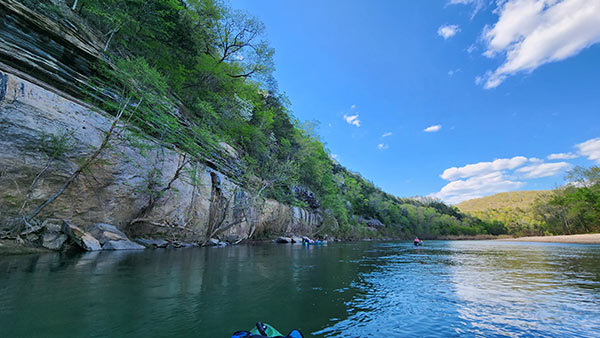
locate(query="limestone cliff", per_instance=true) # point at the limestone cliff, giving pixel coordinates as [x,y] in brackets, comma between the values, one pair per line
[43,65]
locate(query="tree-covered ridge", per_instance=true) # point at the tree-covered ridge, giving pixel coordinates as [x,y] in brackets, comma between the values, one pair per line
[571,209]
[515,209]
[195,73]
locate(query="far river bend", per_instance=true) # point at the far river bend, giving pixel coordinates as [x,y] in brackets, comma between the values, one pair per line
[365,289]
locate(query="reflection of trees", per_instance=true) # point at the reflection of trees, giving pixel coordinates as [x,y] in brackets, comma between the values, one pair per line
[214,291]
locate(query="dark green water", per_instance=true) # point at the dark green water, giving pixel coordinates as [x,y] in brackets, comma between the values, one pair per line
[368,289]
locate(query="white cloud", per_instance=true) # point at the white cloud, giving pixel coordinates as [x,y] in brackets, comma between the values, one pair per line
[471,49]
[543,169]
[453,71]
[590,149]
[483,168]
[535,160]
[382,146]
[478,186]
[531,33]
[353,106]
[448,31]
[477,4]
[389,133]
[352,119]
[562,156]
[433,129]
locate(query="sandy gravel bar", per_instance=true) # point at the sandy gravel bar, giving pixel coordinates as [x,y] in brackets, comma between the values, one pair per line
[584,239]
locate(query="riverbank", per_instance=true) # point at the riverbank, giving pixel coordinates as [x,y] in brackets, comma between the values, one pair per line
[10,247]
[580,239]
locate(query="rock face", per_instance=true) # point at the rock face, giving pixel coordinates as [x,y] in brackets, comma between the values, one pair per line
[39,83]
[113,192]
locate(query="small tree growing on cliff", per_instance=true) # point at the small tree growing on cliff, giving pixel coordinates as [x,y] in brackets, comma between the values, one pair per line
[54,146]
[135,81]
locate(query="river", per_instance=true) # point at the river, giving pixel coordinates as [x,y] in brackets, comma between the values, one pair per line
[365,289]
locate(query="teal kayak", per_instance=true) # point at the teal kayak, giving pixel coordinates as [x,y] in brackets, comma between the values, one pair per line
[265,330]
[269,330]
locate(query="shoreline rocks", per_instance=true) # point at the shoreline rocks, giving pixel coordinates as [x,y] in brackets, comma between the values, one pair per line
[83,239]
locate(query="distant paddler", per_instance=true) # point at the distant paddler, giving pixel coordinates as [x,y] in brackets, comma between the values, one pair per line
[417,242]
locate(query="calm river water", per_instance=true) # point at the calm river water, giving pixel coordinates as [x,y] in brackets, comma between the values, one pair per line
[368,289]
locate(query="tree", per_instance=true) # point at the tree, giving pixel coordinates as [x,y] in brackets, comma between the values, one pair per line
[241,43]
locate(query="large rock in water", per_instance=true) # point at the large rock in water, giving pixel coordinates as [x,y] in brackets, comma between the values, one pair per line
[83,239]
[152,243]
[53,238]
[112,238]
[122,245]
[283,240]
[106,232]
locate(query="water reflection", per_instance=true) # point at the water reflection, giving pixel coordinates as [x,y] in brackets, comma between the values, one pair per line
[344,290]
[523,289]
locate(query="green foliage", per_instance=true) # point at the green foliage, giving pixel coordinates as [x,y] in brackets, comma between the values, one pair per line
[194,73]
[514,209]
[55,145]
[574,208]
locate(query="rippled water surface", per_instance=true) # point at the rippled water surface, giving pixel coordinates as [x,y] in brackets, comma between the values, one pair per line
[370,289]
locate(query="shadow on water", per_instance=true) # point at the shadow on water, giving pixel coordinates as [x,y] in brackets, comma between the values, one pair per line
[369,289]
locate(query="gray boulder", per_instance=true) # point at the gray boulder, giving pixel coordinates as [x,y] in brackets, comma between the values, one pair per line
[213,242]
[296,239]
[81,238]
[122,245]
[283,240]
[53,238]
[106,232]
[152,243]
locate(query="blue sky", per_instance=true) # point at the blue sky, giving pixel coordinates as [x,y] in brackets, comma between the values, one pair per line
[508,84]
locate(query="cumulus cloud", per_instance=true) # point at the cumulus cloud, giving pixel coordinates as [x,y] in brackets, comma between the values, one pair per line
[352,119]
[448,31]
[505,174]
[389,133]
[590,149]
[530,33]
[478,186]
[433,129]
[382,146]
[543,169]
[562,156]
[483,168]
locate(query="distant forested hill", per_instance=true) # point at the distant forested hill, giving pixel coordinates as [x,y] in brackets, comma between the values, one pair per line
[515,209]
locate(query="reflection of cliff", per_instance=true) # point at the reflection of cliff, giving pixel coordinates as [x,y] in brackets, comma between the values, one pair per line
[44,67]
[207,292]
